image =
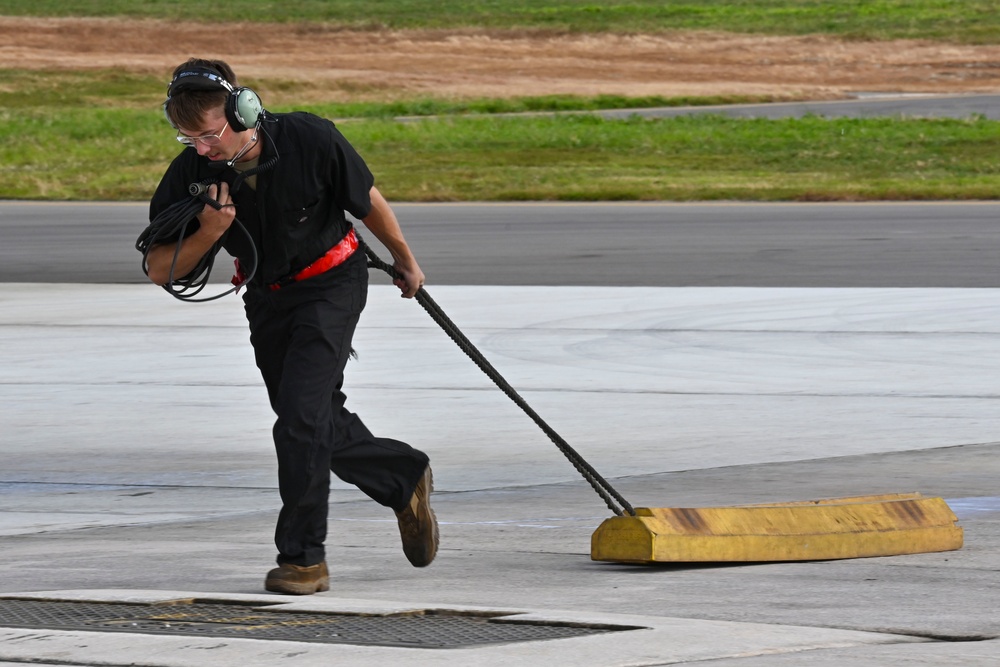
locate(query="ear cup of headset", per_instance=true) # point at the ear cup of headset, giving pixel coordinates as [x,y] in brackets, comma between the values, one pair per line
[243,109]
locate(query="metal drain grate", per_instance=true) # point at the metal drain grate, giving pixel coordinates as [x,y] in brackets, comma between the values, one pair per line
[426,629]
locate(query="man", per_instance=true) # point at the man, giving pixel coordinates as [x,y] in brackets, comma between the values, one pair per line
[288,179]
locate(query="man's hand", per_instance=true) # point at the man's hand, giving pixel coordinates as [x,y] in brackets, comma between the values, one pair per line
[411,278]
[215,222]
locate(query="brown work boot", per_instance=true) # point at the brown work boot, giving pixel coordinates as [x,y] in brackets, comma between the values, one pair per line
[417,524]
[298,579]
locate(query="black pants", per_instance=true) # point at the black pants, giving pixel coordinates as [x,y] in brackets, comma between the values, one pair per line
[301,336]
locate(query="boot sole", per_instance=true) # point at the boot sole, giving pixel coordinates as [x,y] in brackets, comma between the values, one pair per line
[421,559]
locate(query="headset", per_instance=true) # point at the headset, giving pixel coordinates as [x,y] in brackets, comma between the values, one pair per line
[243,107]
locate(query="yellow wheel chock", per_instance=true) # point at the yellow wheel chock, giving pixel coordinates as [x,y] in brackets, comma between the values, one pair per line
[858,527]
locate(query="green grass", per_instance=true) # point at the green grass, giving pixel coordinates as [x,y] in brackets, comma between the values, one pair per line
[120,154]
[966,21]
[549,103]
[585,158]
[21,89]
[55,90]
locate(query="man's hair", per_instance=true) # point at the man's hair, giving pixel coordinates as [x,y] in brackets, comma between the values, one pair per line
[187,107]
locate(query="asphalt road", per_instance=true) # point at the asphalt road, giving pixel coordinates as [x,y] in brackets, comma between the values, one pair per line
[615,244]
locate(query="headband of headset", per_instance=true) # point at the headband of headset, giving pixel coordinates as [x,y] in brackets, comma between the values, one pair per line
[243,108]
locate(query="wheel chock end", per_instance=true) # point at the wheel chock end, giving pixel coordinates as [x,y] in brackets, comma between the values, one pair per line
[834,528]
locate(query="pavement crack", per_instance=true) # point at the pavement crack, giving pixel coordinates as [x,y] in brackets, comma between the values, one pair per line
[947,637]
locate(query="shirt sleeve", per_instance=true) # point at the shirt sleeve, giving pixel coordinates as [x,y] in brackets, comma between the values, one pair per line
[352,180]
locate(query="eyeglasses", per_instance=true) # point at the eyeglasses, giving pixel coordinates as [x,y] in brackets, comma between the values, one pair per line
[207,139]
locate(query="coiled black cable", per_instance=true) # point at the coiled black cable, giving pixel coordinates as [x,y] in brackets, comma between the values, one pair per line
[171,226]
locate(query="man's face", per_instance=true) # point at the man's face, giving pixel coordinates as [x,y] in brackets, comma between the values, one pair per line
[214,138]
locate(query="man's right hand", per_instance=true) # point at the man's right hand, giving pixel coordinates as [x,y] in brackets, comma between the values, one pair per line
[215,222]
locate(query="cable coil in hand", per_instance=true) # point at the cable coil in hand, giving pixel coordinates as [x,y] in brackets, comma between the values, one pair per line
[170,226]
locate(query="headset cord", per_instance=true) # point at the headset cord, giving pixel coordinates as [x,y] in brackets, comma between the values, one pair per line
[615,502]
[171,226]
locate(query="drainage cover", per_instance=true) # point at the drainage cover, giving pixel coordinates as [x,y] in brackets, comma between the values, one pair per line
[422,629]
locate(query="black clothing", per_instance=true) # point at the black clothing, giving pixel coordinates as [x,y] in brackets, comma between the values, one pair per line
[301,337]
[302,333]
[297,211]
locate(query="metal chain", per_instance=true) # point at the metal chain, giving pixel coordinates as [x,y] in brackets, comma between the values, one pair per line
[599,484]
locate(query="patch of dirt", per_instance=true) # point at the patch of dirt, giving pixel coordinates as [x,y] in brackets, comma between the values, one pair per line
[341,64]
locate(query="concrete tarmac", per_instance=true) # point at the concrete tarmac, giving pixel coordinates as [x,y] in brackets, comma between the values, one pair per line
[137,466]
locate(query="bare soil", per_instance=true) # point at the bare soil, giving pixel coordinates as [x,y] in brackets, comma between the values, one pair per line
[329,63]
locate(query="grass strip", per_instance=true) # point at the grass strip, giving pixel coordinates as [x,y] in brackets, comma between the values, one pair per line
[59,89]
[120,154]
